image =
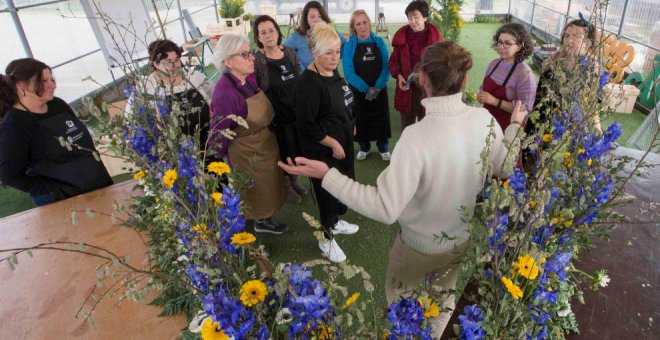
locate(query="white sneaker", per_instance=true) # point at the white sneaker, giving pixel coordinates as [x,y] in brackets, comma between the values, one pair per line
[343,227]
[331,250]
[361,155]
[386,156]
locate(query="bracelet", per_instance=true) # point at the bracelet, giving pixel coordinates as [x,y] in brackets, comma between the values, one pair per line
[499,103]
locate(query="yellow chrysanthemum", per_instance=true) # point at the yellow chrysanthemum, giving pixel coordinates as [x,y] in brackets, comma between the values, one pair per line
[567,155]
[253,292]
[513,289]
[430,308]
[580,151]
[201,230]
[217,198]
[219,168]
[242,238]
[351,299]
[169,178]
[139,175]
[505,184]
[210,331]
[547,137]
[526,266]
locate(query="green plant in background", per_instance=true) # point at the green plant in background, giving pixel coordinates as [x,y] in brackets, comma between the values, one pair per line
[447,17]
[486,19]
[231,8]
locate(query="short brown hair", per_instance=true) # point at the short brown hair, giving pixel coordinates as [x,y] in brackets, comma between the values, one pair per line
[304,25]
[354,17]
[420,5]
[255,28]
[445,64]
[588,28]
[159,49]
[27,70]
[522,36]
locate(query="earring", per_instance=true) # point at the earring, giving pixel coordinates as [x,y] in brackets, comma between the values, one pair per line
[23,93]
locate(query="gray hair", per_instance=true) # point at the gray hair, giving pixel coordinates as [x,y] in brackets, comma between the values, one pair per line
[226,47]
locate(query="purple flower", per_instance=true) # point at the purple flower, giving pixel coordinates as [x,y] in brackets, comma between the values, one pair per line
[604,78]
[405,316]
[470,328]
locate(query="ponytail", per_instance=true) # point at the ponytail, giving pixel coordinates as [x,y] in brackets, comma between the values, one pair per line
[8,94]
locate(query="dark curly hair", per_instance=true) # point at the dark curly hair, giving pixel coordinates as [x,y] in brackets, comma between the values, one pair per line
[158,50]
[28,70]
[522,36]
[420,5]
[304,25]
[255,28]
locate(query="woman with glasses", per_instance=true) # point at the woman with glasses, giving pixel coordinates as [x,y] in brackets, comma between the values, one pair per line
[189,88]
[312,14]
[508,78]
[253,147]
[325,125]
[276,69]
[365,59]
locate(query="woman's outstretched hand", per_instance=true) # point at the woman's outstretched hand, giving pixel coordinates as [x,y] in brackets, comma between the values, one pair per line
[519,113]
[305,167]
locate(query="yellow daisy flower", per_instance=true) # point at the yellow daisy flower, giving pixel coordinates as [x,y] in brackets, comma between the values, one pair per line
[513,289]
[202,230]
[526,266]
[217,198]
[211,331]
[589,162]
[169,178]
[253,292]
[324,332]
[532,204]
[219,168]
[430,308]
[242,238]
[547,137]
[351,299]
[580,151]
[139,175]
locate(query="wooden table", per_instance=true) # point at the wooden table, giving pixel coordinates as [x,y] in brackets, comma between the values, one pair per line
[40,298]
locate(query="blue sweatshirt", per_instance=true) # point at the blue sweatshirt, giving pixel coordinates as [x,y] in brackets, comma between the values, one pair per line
[347,54]
[298,43]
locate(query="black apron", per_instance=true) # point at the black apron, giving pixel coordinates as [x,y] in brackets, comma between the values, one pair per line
[195,112]
[342,101]
[73,172]
[372,118]
[281,79]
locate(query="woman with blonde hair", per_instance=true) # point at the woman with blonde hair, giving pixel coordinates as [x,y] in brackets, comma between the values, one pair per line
[365,59]
[253,146]
[325,124]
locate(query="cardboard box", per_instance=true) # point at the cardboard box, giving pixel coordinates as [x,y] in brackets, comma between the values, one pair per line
[621,98]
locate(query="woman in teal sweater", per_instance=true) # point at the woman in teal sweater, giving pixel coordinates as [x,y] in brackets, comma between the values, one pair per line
[365,59]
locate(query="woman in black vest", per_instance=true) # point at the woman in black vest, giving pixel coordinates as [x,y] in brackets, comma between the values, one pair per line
[277,69]
[365,59]
[32,120]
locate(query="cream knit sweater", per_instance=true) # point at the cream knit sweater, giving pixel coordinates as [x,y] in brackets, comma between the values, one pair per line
[434,171]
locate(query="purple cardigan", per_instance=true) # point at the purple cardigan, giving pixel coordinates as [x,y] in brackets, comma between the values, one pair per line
[228,100]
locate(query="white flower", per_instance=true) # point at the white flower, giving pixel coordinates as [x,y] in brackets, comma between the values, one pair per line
[604,280]
[195,325]
[564,312]
[283,316]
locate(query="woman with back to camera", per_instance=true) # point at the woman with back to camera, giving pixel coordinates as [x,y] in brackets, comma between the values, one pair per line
[32,119]
[277,69]
[365,58]
[325,125]
[255,146]
[408,45]
[509,78]
[431,181]
[312,14]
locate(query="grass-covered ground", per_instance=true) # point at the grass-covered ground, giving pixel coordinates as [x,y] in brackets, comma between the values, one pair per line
[369,247]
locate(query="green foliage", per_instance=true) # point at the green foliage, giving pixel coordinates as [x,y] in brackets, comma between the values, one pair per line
[231,8]
[486,19]
[447,17]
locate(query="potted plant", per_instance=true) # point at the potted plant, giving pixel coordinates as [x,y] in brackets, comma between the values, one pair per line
[231,11]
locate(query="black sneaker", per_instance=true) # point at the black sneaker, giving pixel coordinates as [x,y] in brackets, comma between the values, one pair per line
[267,225]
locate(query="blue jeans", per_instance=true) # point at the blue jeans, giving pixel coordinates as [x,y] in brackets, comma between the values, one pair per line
[381,144]
[43,199]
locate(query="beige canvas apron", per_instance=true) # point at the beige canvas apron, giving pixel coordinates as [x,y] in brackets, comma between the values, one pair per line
[258,143]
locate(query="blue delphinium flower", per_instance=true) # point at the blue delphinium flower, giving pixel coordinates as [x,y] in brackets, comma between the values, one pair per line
[231,220]
[308,303]
[542,234]
[604,78]
[470,329]
[234,319]
[501,226]
[559,128]
[199,280]
[405,316]
[263,333]
[545,296]
[540,317]
[517,181]
[557,264]
[602,186]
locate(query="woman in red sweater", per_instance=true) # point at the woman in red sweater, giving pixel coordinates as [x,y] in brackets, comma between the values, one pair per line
[408,45]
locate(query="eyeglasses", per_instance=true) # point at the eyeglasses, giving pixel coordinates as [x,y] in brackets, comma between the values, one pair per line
[245,54]
[506,44]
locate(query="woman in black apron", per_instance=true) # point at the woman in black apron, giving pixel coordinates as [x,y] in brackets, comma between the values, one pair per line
[325,124]
[365,60]
[31,156]
[277,69]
